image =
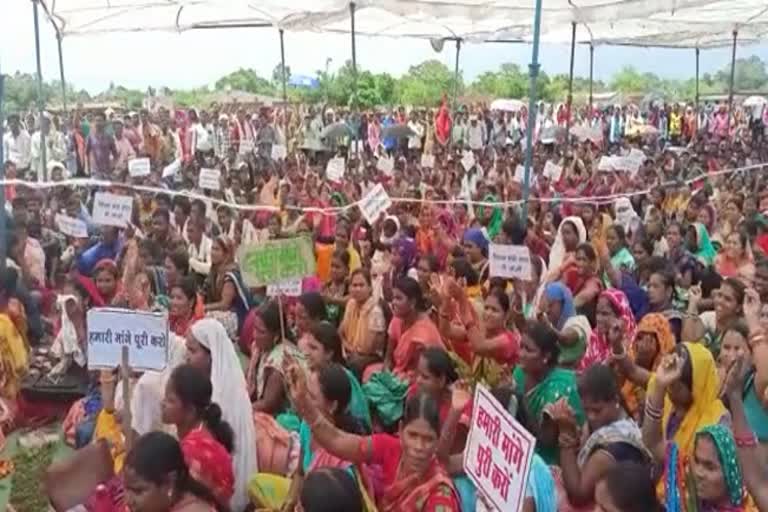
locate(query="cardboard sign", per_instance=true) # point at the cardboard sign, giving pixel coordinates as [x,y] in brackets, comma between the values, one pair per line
[510,261]
[335,169]
[144,333]
[607,164]
[139,167]
[386,165]
[112,209]
[374,203]
[287,288]
[276,261]
[499,453]
[468,160]
[428,161]
[71,226]
[210,179]
[635,160]
[279,152]
[519,174]
[552,171]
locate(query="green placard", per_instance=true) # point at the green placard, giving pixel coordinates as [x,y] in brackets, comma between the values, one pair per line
[274,261]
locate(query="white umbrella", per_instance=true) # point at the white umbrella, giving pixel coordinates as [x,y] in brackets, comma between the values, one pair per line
[754,101]
[507,105]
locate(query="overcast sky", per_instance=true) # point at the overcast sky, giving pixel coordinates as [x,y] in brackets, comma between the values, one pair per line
[201,57]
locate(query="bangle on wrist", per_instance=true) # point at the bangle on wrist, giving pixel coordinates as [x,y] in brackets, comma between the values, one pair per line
[746,440]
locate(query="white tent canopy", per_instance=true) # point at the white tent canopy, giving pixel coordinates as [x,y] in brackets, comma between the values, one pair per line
[672,23]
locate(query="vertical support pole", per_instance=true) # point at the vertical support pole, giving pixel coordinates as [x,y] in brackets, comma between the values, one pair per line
[61,74]
[570,85]
[698,54]
[353,103]
[40,103]
[284,77]
[454,105]
[591,78]
[733,78]
[3,235]
[534,73]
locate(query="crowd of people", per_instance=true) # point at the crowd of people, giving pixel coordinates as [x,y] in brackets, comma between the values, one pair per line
[636,352]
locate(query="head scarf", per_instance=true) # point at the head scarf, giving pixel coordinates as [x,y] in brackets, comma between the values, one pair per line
[626,216]
[726,452]
[705,251]
[707,409]
[406,250]
[557,256]
[231,393]
[446,218]
[559,292]
[599,348]
[497,217]
[658,325]
[477,237]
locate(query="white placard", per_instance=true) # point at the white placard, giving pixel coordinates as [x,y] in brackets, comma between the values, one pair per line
[374,203]
[139,167]
[428,161]
[386,165]
[468,160]
[510,261]
[606,163]
[288,288]
[144,333]
[71,226]
[210,179]
[498,454]
[635,160]
[519,174]
[112,209]
[279,152]
[335,169]
[172,168]
[552,171]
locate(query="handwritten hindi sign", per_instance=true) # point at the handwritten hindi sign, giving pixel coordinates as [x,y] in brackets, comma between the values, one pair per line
[510,261]
[386,165]
[499,453]
[71,226]
[552,171]
[210,179]
[276,261]
[112,209]
[144,333]
[635,160]
[606,164]
[374,203]
[468,160]
[139,167]
[335,169]
[287,288]
[172,168]
[428,161]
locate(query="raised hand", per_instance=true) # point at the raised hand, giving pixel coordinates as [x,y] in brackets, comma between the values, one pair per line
[461,395]
[670,369]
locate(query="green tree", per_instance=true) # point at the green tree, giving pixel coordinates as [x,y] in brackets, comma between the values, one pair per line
[277,75]
[750,74]
[245,80]
[426,83]
[508,82]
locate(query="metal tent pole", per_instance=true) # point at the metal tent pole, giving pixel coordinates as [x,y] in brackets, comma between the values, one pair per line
[353,103]
[285,85]
[534,73]
[733,78]
[570,84]
[454,105]
[61,74]
[3,214]
[591,77]
[40,104]
[698,54]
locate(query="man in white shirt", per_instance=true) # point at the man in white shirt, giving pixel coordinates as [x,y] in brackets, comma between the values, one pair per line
[414,141]
[55,146]
[17,146]
[475,134]
[199,248]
